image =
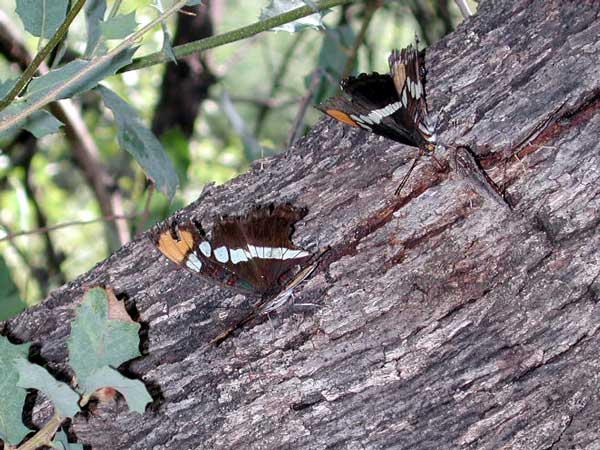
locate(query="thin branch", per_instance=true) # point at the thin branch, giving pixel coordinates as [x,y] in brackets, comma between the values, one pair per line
[28,74]
[277,79]
[115,8]
[53,261]
[159,57]
[463,6]
[269,103]
[55,93]
[296,130]
[231,36]
[43,437]
[146,211]
[41,230]
[370,8]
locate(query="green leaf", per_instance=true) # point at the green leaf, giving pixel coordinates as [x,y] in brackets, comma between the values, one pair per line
[97,341]
[94,16]
[95,71]
[167,49]
[42,17]
[41,123]
[32,376]
[12,398]
[10,302]
[140,142]
[134,391]
[119,27]
[277,7]
[193,2]
[6,86]
[71,79]
[61,442]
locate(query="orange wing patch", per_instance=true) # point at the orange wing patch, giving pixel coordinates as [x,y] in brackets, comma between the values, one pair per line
[342,117]
[176,251]
[399,76]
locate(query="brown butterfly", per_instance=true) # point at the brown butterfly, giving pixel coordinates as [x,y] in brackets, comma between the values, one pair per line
[252,254]
[391,105]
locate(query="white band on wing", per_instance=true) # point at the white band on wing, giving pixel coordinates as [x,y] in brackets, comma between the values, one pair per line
[238,255]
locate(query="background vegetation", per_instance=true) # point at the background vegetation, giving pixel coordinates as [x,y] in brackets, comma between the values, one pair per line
[214,112]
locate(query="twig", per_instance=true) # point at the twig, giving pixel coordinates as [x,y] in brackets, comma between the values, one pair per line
[464,8]
[159,57]
[52,266]
[146,211]
[231,36]
[314,84]
[28,74]
[115,8]
[370,8]
[277,79]
[55,93]
[44,436]
[11,236]
[269,103]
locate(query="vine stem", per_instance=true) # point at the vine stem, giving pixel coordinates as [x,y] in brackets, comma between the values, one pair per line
[232,36]
[10,236]
[43,437]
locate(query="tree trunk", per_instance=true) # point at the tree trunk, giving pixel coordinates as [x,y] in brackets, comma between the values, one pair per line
[185,85]
[441,321]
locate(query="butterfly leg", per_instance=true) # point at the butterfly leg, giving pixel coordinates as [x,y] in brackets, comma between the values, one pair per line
[405,179]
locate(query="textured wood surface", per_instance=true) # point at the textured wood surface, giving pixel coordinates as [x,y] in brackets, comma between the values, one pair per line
[442,319]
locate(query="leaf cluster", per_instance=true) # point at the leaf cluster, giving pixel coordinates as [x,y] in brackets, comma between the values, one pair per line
[102,338]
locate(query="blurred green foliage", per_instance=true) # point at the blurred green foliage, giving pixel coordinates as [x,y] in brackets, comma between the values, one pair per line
[246,71]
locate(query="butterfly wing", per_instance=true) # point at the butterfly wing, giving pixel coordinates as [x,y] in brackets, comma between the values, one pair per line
[393,105]
[262,251]
[371,103]
[186,245]
[408,76]
[251,253]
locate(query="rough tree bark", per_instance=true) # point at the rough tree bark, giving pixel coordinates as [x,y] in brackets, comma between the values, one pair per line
[442,320]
